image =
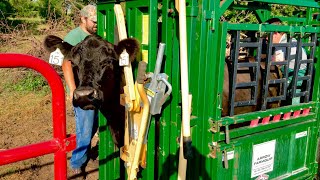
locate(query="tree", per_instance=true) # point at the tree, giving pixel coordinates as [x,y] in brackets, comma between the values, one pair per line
[51,9]
[24,8]
[54,9]
[6,9]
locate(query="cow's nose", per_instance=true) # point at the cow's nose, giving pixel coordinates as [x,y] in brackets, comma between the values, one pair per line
[87,93]
[86,98]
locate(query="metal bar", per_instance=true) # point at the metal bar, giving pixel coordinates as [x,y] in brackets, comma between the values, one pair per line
[263,14]
[286,65]
[292,19]
[308,44]
[272,63]
[281,45]
[293,3]
[306,61]
[248,7]
[296,66]
[58,103]
[299,94]
[296,123]
[247,64]
[233,74]
[246,84]
[224,5]
[141,3]
[276,98]
[310,66]
[244,103]
[254,115]
[265,78]
[277,81]
[29,151]
[253,85]
[259,50]
[304,78]
[250,44]
[273,28]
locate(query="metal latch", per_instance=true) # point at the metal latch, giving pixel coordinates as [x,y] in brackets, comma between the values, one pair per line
[156,89]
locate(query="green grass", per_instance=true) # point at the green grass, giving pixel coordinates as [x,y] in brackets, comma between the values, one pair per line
[30,82]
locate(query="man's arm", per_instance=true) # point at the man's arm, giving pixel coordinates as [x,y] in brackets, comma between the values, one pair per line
[68,77]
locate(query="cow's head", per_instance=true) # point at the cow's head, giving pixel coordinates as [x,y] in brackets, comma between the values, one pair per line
[95,67]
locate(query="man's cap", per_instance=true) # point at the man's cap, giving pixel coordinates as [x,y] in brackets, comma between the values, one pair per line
[89,11]
[273,21]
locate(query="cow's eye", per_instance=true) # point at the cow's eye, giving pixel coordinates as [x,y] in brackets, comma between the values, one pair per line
[106,62]
[107,50]
[109,62]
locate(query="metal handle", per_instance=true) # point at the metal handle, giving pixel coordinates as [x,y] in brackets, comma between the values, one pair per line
[225,159]
[141,76]
[167,94]
[227,135]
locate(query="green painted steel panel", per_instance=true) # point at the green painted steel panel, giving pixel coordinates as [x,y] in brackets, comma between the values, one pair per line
[292,144]
[295,158]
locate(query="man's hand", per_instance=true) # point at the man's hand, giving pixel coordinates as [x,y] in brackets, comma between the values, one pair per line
[68,76]
[70,97]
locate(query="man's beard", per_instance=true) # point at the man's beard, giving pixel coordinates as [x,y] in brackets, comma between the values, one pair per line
[91,30]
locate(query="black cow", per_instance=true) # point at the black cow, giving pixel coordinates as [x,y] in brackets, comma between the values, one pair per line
[98,76]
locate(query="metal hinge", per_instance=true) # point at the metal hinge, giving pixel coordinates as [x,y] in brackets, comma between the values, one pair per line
[214,126]
[213,150]
[209,16]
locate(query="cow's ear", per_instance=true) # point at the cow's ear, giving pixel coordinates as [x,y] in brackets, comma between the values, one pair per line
[51,43]
[74,55]
[131,45]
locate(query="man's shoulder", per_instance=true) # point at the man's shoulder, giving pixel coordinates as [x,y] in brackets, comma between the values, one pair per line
[75,36]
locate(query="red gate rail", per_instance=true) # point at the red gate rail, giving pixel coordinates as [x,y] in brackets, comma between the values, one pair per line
[60,144]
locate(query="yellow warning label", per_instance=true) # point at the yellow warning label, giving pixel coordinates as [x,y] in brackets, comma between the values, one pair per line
[150,92]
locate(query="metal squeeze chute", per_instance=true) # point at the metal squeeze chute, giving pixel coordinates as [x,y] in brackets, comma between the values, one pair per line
[137,103]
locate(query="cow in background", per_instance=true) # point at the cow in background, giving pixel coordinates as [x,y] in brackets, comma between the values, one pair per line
[98,76]
[245,94]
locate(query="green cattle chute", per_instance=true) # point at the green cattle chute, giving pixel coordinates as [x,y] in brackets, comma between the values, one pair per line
[284,146]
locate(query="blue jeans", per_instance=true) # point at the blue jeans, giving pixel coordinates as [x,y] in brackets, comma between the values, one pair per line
[86,127]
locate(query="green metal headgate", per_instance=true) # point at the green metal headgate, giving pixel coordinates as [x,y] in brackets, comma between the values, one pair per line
[281,142]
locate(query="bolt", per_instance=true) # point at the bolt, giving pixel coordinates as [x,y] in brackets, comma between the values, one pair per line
[170,10]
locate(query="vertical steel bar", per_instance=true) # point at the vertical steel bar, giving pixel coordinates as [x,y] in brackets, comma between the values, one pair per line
[310,66]
[258,59]
[233,75]
[265,77]
[297,64]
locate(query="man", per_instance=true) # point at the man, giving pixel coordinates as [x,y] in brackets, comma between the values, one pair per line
[280,53]
[86,120]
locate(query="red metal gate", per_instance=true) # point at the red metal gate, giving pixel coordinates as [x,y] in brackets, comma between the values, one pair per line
[60,144]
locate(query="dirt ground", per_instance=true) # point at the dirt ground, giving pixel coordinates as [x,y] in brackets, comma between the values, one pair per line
[26,118]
